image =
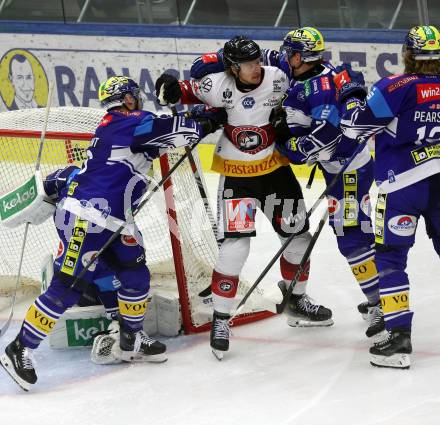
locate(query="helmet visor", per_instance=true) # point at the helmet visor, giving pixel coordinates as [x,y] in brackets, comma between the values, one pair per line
[305,56]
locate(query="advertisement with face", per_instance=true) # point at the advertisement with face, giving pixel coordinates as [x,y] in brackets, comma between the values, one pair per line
[78,64]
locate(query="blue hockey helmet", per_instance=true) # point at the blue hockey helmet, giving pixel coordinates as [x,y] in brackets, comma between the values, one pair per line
[112,92]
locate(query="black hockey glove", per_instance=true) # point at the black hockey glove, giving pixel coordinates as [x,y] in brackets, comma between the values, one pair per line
[167,90]
[278,120]
[349,83]
[211,119]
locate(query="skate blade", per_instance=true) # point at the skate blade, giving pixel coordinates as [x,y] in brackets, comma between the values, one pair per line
[135,357]
[297,322]
[396,361]
[364,316]
[9,368]
[218,354]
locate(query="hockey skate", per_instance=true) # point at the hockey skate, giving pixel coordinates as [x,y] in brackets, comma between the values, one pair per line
[220,334]
[18,362]
[138,347]
[302,312]
[394,351]
[376,328]
[103,343]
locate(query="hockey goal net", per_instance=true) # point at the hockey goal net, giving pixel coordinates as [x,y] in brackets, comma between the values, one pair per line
[179,260]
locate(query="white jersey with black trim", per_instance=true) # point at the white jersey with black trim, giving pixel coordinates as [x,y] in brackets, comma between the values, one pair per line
[247,145]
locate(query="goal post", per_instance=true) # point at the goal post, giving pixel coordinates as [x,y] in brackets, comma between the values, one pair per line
[180,245]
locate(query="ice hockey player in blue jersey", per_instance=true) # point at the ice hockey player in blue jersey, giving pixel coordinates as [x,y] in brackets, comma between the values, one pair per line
[100,198]
[313,135]
[402,111]
[105,283]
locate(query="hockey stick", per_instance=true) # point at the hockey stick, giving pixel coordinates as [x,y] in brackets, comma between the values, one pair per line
[26,228]
[287,291]
[290,238]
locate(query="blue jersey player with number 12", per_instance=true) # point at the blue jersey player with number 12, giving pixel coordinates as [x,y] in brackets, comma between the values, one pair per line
[403,112]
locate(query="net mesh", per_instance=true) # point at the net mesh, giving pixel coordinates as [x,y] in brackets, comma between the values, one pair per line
[67,138]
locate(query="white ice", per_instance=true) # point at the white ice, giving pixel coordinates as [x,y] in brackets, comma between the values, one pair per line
[272,375]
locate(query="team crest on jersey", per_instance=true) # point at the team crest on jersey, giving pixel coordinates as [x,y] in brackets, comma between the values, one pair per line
[249,139]
[248,102]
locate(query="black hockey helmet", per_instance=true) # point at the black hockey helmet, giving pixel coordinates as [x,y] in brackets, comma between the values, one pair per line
[240,49]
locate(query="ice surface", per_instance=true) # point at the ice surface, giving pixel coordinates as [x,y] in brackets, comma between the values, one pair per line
[272,375]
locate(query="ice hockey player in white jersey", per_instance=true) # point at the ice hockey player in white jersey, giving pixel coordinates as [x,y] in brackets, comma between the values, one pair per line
[100,197]
[253,174]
